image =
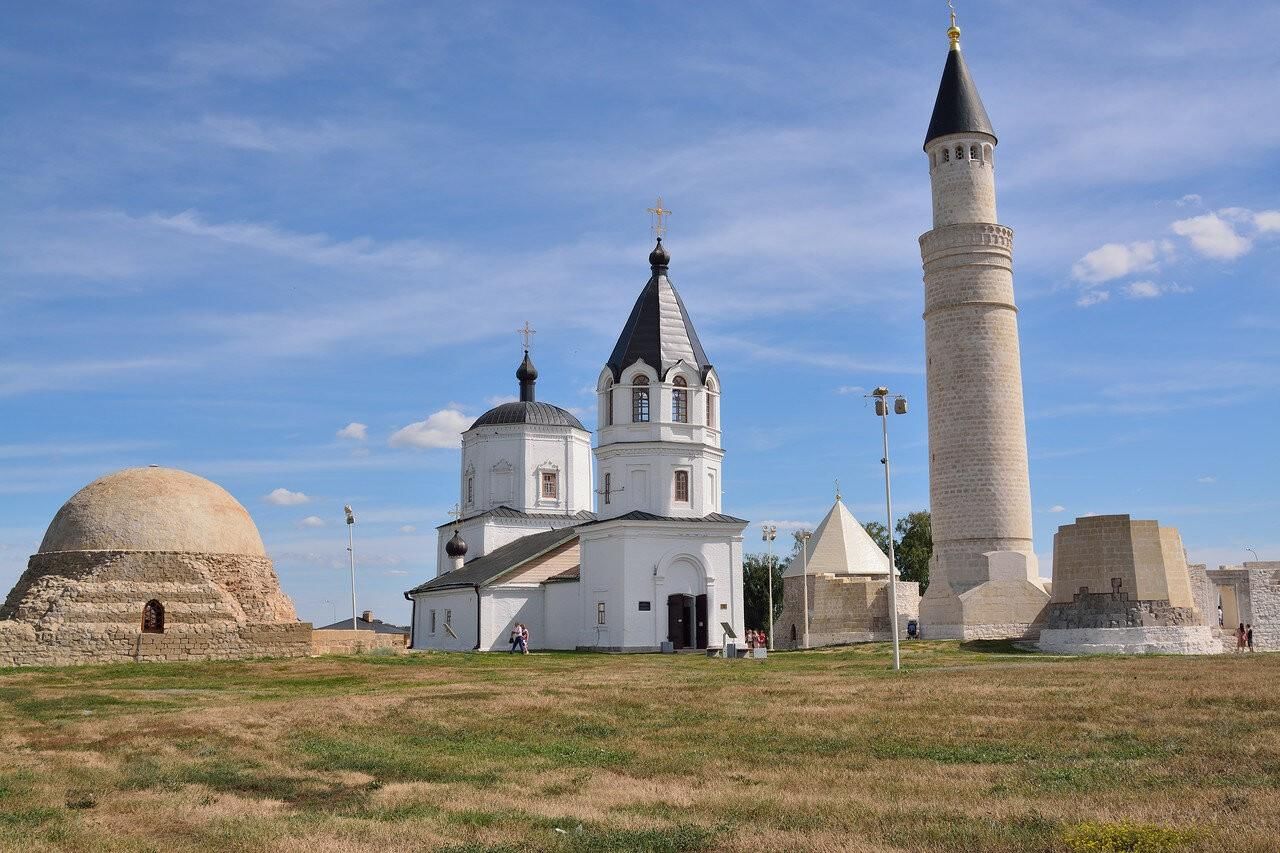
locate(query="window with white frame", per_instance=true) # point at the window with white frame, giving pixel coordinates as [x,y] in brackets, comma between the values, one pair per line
[550,485]
[640,400]
[448,617]
[608,486]
[680,400]
[608,403]
[600,613]
[711,403]
[682,487]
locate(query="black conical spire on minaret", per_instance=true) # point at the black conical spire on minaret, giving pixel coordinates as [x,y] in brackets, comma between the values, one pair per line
[528,376]
[958,108]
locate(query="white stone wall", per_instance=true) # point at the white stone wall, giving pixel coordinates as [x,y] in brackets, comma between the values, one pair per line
[963,180]
[462,606]
[506,461]
[1165,640]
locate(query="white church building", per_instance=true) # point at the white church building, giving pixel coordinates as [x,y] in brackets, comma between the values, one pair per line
[638,554]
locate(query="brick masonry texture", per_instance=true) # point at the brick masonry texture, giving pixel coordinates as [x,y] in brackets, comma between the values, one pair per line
[842,609]
[334,642]
[74,607]
[979,488]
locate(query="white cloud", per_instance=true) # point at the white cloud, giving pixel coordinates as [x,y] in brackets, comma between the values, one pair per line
[1057,508]
[1089,515]
[354,431]
[1142,290]
[1115,260]
[311,521]
[284,497]
[851,389]
[408,528]
[395,572]
[1213,236]
[1093,297]
[1207,478]
[1189,198]
[442,429]
[1267,221]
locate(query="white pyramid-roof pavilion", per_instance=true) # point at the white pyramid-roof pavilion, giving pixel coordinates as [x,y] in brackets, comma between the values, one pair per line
[840,546]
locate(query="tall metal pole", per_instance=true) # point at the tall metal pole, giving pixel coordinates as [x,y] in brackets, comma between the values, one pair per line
[351,553]
[769,532]
[888,507]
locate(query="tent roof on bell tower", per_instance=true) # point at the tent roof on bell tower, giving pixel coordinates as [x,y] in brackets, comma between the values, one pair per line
[659,329]
[958,108]
[840,546]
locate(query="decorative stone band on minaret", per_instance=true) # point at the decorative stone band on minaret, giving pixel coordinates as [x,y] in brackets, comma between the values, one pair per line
[984,580]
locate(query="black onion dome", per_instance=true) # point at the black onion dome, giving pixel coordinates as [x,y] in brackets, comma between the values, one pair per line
[659,257]
[457,546]
[526,371]
[528,412]
[958,108]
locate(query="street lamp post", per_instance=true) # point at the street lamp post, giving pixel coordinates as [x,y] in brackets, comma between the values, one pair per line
[768,533]
[351,554]
[802,536]
[881,396]
[1254,553]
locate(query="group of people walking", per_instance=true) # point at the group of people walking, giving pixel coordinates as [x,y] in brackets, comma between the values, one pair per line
[1244,637]
[520,639]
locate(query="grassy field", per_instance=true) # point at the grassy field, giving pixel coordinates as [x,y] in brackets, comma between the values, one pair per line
[976,749]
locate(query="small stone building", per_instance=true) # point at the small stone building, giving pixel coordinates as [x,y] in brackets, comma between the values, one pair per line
[1249,594]
[1123,586]
[149,564]
[847,583]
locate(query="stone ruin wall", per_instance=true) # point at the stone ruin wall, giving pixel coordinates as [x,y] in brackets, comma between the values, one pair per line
[843,609]
[86,606]
[348,642]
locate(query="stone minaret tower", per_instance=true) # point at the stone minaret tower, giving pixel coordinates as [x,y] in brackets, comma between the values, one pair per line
[984,581]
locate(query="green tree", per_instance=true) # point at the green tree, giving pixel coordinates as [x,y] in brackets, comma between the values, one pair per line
[914,547]
[878,534]
[755,591]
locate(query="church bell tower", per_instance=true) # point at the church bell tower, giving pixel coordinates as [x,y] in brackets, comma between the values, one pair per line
[984,580]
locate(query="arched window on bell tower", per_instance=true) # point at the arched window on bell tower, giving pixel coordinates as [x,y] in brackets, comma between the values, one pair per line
[640,400]
[680,400]
[711,403]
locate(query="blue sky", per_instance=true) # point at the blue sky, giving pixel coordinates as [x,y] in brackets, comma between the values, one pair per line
[228,231]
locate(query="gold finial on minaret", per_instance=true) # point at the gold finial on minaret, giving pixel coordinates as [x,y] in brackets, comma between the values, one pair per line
[954,32]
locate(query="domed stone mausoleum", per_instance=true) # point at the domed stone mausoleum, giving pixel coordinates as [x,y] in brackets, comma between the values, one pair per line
[149,564]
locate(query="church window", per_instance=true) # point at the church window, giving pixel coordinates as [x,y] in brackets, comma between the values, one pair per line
[680,401]
[959,152]
[471,489]
[153,617]
[448,617]
[682,487]
[608,487]
[711,403]
[433,621]
[600,613]
[550,485]
[640,400]
[608,404]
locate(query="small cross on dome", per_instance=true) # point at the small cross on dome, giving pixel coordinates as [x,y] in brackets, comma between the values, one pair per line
[526,333]
[660,214]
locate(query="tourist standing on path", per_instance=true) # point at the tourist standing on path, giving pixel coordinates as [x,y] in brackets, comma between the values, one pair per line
[515,638]
[1240,638]
[1219,615]
[524,639]
[1248,635]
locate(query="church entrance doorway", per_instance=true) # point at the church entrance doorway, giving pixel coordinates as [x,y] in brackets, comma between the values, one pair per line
[687,621]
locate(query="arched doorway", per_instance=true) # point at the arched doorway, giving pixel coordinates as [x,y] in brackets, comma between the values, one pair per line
[153,617]
[686,605]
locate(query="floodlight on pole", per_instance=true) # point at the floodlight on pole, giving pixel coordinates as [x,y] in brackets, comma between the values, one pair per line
[802,537]
[1254,553]
[769,532]
[882,397]
[351,555]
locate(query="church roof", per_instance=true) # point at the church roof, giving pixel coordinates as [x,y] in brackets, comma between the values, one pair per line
[528,412]
[485,569]
[958,108]
[840,546]
[641,515]
[508,512]
[658,330]
[377,626]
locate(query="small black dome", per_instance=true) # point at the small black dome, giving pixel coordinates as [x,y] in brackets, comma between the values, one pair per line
[526,371]
[659,257]
[456,547]
[527,412]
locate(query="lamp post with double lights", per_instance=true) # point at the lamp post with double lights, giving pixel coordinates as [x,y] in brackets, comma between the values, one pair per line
[802,538]
[351,554]
[882,397]
[769,532]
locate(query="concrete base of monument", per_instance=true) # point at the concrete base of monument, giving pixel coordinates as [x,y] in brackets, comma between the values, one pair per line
[1009,605]
[1154,640]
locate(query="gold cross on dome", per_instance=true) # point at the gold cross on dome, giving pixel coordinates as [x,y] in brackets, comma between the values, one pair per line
[456,513]
[659,216]
[526,333]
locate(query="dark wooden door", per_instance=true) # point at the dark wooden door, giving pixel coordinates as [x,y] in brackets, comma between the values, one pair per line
[675,620]
[702,621]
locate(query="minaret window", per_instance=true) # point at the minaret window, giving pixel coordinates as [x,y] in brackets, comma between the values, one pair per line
[680,401]
[711,403]
[640,400]
[550,485]
[973,152]
[959,152]
[682,487]
[946,154]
